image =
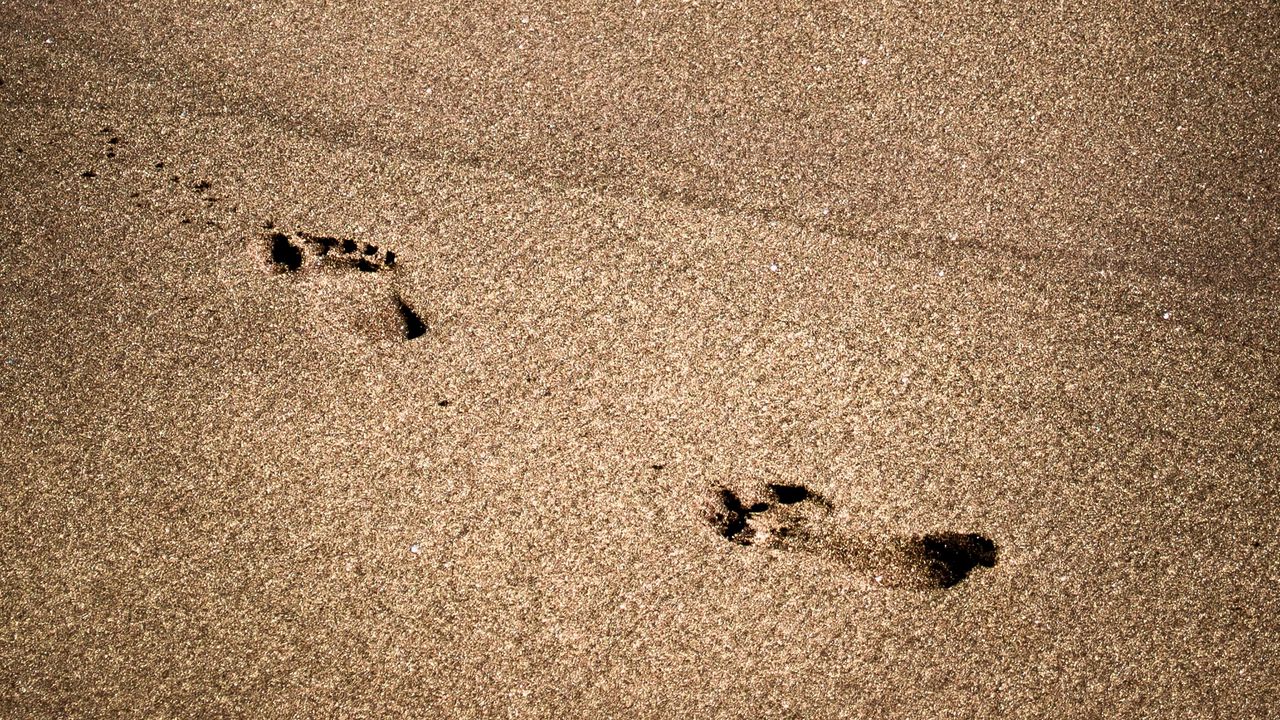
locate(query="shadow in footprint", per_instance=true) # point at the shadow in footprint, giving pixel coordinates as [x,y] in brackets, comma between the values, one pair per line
[284,253]
[301,251]
[414,327]
[789,494]
[949,557]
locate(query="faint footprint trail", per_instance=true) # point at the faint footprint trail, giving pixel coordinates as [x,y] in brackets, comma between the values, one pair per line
[794,518]
[345,283]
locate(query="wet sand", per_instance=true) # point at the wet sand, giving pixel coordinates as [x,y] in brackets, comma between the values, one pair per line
[639,361]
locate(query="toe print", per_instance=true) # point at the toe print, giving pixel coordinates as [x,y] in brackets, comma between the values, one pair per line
[794,518]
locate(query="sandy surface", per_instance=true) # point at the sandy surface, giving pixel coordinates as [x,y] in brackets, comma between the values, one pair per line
[674,361]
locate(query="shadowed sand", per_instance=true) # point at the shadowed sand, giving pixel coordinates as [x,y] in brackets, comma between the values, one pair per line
[664,361]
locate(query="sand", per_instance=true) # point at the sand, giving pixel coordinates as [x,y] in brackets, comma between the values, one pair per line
[681,360]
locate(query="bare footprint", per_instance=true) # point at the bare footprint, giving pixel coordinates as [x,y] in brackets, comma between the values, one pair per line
[794,518]
[349,284]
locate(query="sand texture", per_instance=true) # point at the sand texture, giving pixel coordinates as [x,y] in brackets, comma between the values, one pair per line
[639,360]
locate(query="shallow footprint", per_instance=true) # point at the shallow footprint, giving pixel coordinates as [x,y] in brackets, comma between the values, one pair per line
[794,518]
[348,285]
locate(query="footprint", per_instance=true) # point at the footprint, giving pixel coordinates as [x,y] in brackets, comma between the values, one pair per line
[794,518]
[346,283]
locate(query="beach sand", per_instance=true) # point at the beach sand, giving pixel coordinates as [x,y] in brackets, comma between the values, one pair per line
[682,360]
